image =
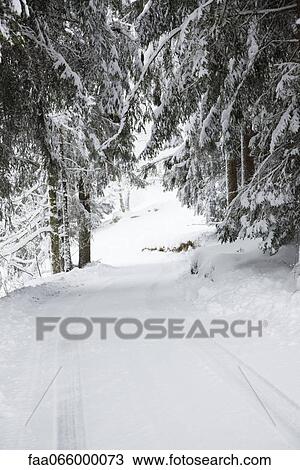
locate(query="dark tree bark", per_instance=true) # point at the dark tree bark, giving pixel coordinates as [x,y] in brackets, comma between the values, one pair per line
[52,170]
[298,16]
[61,233]
[122,205]
[84,225]
[54,223]
[247,159]
[66,226]
[231,179]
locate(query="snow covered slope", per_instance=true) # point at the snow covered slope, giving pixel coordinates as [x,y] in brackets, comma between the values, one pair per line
[156,220]
[155,393]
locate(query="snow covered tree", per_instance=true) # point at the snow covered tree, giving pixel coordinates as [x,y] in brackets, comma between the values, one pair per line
[227,78]
[268,205]
[65,73]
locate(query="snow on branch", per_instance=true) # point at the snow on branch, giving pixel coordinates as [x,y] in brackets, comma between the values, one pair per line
[196,14]
[167,154]
[18,5]
[268,10]
[145,10]
[253,53]
[58,60]
[14,248]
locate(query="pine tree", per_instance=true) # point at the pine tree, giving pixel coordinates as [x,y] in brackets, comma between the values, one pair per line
[232,69]
[267,207]
[76,60]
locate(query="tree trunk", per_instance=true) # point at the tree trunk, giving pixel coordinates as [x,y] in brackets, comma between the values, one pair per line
[54,223]
[66,226]
[247,159]
[128,200]
[122,205]
[231,179]
[297,260]
[51,167]
[84,225]
[61,234]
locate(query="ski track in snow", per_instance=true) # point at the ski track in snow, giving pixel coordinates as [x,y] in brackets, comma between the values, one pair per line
[154,393]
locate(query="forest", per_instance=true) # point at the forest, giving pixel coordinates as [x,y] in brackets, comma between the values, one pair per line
[150,230]
[216,83]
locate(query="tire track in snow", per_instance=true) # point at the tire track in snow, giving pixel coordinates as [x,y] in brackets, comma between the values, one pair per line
[209,379]
[69,412]
[40,371]
[284,411]
[69,416]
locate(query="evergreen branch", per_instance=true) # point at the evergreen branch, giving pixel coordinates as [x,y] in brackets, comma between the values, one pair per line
[57,58]
[130,100]
[253,181]
[268,10]
[145,10]
[149,165]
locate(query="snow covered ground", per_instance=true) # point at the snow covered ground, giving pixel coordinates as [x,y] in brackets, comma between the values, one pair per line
[168,393]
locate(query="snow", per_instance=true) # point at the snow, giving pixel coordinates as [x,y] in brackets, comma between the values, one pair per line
[143,394]
[154,222]
[16,6]
[281,128]
[4,31]
[253,48]
[145,10]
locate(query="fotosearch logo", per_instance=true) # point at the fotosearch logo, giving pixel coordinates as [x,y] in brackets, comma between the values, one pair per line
[82,328]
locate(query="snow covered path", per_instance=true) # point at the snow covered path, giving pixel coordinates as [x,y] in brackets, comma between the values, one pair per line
[171,393]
